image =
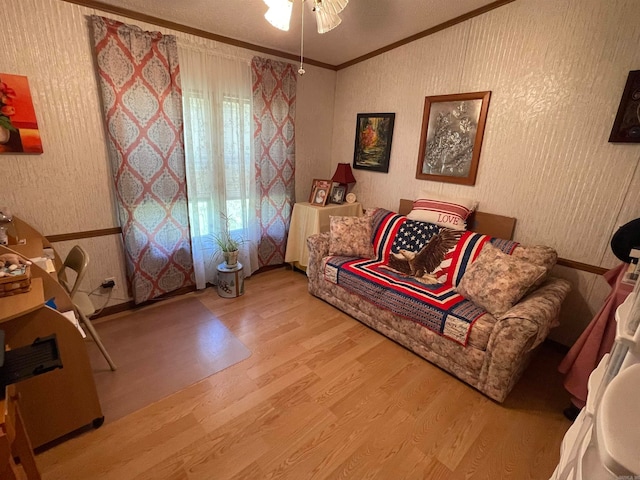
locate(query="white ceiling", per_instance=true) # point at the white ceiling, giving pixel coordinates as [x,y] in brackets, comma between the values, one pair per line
[367,25]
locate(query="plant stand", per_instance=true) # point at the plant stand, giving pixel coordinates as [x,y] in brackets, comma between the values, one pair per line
[230,280]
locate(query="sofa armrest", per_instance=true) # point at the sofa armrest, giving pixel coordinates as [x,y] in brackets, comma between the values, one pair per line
[516,334]
[541,307]
[318,245]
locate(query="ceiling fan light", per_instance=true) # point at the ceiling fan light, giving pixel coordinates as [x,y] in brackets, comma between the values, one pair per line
[279,13]
[326,21]
[332,6]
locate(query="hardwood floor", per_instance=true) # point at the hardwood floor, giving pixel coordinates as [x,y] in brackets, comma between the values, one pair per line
[323,396]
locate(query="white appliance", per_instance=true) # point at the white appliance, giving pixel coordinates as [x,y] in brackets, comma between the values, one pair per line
[604,441]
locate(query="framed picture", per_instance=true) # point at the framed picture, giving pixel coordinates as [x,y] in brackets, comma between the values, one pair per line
[337,194]
[626,127]
[374,132]
[320,190]
[452,131]
[18,125]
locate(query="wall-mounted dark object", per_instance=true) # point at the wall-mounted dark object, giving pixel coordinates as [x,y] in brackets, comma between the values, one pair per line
[626,238]
[626,127]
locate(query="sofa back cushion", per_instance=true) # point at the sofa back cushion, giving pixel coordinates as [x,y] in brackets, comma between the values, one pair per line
[467,251]
[350,237]
[393,232]
[540,255]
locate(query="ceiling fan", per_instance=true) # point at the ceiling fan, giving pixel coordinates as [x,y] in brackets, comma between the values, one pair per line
[279,13]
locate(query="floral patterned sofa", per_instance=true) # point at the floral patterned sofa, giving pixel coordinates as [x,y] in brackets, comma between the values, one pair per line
[479,315]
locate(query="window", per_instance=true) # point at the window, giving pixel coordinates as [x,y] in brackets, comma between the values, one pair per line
[222,172]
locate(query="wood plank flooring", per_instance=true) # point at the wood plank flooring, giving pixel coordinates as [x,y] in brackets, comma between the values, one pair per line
[323,396]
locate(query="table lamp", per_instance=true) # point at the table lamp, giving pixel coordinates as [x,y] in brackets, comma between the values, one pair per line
[344,176]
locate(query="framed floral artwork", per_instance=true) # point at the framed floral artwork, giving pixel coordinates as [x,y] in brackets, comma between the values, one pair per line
[374,132]
[18,126]
[452,131]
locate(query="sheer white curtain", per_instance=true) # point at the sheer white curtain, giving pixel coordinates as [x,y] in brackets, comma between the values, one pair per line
[221,177]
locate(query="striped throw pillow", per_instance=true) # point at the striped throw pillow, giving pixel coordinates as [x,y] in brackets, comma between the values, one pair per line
[444,211]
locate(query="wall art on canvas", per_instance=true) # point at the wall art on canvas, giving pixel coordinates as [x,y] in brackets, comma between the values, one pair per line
[452,131]
[18,126]
[374,132]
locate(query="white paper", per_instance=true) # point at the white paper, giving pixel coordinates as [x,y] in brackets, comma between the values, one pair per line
[71,316]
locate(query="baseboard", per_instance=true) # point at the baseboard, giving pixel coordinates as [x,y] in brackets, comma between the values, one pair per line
[130,305]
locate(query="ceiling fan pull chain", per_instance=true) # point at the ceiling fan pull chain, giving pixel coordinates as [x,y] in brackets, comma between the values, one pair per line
[301,70]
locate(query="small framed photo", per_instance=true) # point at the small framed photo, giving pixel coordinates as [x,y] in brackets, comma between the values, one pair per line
[320,190]
[337,194]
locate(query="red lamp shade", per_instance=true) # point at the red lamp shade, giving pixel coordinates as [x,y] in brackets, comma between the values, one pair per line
[343,175]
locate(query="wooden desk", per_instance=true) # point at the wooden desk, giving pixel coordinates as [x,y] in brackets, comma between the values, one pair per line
[63,400]
[307,219]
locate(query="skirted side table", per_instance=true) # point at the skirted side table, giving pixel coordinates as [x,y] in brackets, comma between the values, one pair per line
[595,341]
[307,219]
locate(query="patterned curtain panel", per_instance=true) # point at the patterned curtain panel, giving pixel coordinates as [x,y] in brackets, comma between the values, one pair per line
[139,78]
[274,111]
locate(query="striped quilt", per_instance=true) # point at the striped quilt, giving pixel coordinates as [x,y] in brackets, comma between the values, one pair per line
[437,306]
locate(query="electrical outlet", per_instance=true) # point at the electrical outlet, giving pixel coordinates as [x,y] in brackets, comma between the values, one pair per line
[108,282]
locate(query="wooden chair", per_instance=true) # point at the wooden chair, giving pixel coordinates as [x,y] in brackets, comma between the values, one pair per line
[77,261]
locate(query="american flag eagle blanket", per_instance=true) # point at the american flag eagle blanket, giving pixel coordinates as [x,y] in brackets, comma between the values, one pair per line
[435,305]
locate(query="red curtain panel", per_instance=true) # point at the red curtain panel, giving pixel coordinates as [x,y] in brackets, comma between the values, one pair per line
[139,79]
[274,110]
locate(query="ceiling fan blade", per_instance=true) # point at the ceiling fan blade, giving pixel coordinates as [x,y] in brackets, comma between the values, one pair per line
[326,20]
[333,6]
[279,13]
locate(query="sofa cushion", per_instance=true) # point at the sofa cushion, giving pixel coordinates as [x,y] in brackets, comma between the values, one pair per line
[350,237]
[450,212]
[541,255]
[496,281]
[467,251]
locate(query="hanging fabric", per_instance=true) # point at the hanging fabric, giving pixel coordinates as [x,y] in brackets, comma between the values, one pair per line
[221,173]
[139,79]
[274,109]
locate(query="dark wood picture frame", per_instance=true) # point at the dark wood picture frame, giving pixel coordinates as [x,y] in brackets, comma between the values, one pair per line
[451,137]
[320,191]
[626,126]
[374,134]
[337,194]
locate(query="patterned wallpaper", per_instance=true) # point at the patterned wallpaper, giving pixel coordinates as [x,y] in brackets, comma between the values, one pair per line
[69,188]
[556,69]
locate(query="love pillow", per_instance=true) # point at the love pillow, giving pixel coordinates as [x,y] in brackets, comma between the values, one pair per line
[445,211]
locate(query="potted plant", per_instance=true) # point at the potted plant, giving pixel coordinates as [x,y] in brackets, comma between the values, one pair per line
[227,244]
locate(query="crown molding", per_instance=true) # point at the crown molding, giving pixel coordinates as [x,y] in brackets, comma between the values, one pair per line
[125,12]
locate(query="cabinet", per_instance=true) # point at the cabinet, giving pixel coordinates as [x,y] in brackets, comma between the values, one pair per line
[307,220]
